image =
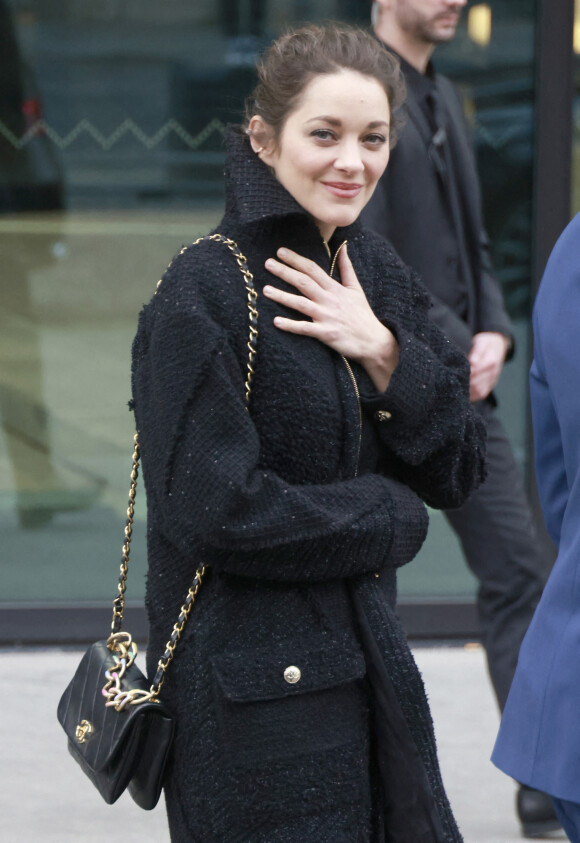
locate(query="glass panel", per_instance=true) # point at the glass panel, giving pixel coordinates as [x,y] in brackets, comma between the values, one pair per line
[111,158]
[111,121]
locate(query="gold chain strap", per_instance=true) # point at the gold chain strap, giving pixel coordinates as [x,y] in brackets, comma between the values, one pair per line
[119,601]
[120,643]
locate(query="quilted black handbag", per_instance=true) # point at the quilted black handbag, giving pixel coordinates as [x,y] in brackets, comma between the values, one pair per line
[116,747]
[118,729]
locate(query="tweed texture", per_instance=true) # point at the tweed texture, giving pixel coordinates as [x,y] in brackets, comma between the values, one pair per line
[271,502]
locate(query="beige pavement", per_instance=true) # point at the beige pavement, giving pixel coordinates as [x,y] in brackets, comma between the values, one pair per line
[44,796]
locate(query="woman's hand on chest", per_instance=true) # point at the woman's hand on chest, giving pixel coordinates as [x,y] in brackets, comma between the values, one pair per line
[338,314]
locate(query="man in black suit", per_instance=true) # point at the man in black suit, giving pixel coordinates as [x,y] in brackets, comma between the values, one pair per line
[428,205]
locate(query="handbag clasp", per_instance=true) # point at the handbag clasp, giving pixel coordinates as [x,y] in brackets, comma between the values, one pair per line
[83,731]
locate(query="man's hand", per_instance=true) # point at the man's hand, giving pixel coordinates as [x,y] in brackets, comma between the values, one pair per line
[487,356]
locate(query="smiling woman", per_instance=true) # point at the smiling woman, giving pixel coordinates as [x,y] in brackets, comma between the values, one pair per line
[333,147]
[297,702]
[329,155]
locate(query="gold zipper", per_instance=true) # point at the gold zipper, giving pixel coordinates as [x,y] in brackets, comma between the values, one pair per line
[354,383]
[334,260]
[348,366]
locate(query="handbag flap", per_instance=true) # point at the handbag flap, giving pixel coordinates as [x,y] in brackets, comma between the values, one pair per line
[289,667]
[82,707]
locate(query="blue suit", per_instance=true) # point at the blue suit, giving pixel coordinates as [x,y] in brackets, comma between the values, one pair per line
[539,738]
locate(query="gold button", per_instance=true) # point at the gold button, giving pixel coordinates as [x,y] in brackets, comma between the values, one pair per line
[292,674]
[383,415]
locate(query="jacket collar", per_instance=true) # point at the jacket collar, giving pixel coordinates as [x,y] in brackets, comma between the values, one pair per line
[252,192]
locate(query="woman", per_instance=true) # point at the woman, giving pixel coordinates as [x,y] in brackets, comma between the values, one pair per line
[300,713]
[539,739]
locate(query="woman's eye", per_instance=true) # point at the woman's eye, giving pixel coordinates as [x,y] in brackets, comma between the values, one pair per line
[375,139]
[323,134]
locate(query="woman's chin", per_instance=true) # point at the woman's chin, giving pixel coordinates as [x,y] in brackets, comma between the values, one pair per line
[341,220]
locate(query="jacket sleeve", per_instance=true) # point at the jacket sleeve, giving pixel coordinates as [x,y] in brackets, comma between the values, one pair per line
[201,463]
[451,324]
[549,454]
[434,440]
[491,312]
[554,385]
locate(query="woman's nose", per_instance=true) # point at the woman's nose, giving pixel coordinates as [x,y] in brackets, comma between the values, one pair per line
[349,158]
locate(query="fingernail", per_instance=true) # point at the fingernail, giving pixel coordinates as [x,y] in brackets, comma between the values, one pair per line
[282,252]
[270,263]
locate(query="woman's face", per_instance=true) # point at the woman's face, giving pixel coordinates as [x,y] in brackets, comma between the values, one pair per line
[333,147]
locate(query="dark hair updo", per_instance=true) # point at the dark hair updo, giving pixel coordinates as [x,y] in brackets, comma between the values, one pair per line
[299,55]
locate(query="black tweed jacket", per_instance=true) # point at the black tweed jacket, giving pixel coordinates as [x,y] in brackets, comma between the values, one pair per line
[302,547]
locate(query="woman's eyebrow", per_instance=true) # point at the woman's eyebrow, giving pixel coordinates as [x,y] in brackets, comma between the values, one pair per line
[333,121]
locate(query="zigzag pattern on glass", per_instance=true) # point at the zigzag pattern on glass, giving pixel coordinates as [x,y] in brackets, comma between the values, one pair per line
[106,142]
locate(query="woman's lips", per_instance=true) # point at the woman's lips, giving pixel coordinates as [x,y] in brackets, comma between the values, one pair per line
[344,190]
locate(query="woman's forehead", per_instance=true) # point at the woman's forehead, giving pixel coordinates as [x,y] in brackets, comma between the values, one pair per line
[336,94]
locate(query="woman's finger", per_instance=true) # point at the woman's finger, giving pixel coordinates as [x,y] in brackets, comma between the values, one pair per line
[299,280]
[347,274]
[306,266]
[295,326]
[302,304]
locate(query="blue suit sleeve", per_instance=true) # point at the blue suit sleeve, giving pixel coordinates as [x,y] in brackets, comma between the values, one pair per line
[555,380]
[549,455]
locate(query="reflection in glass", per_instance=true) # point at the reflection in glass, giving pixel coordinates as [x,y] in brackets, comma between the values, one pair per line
[112,117]
[30,180]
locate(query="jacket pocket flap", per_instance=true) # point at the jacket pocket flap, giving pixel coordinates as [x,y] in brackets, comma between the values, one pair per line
[291,667]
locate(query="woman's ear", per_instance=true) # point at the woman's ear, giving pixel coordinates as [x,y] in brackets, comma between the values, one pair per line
[262,139]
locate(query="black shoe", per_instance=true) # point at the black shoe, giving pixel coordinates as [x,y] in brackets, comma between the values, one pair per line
[536,812]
